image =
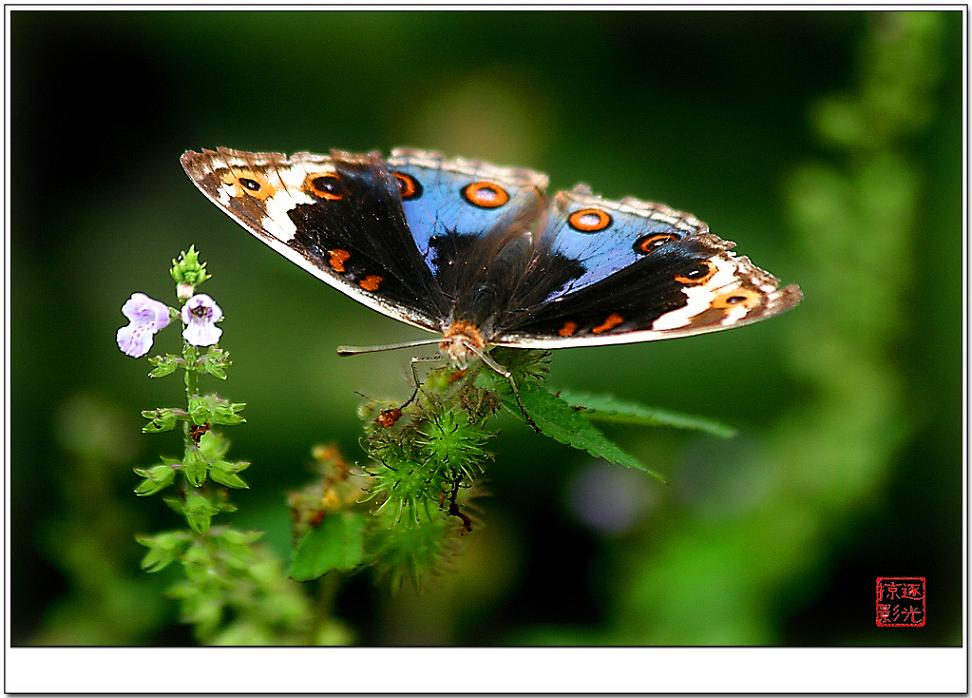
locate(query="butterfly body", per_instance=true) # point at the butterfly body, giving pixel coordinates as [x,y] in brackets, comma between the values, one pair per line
[481,255]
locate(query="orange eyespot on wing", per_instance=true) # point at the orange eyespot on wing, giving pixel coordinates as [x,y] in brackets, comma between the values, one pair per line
[589,220]
[568,329]
[698,274]
[248,182]
[647,244]
[485,194]
[739,298]
[408,186]
[324,186]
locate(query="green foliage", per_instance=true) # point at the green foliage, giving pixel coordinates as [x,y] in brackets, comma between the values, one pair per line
[157,478]
[408,552]
[562,422]
[187,270]
[162,419]
[431,453]
[212,409]
[165,365]
[606,408]
[857,218]
[164,549]
[234,590]
[337,543]
[199,511]
[215,362]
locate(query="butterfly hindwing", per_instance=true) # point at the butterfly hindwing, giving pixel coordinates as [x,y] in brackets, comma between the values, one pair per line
[640,271]
[338,216]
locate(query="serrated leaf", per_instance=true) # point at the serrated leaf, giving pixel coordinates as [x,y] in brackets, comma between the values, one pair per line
[336,544]
[606,408]
[561,422]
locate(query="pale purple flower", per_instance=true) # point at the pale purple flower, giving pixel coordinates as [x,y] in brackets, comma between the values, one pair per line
[146,316]
[200,315]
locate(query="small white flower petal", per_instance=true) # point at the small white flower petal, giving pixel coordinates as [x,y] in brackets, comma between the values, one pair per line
[141,308]
[217,311]
[201,334]
[135,338]
[134,306]
[162,317]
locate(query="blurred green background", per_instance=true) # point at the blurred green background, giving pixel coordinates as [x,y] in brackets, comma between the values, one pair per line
[827,144]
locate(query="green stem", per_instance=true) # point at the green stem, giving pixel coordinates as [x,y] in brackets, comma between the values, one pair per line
[192,386]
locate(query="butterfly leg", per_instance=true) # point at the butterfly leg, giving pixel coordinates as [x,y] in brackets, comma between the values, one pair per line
[415,380]
[519,402]
[491,362]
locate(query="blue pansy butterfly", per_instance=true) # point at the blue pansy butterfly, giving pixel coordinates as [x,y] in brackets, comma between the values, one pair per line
[480,255]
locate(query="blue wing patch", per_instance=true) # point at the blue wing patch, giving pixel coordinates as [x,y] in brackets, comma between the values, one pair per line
[449,204]
[606,236]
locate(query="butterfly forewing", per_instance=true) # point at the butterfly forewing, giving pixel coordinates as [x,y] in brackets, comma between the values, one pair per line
[337,216]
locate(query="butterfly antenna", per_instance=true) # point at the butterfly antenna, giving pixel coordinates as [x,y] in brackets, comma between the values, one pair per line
[351,351]
[491,362]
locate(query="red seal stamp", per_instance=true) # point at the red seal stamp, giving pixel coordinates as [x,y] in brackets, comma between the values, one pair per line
[900,602]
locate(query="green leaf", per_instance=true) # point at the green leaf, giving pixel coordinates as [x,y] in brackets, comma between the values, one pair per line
[188,269]
[606,408]
[337,544]
[199,512]
[161,419]
[157,478]
[164,548]
[235,537]
[561,422]
[194,465]
[224,473]
[212,409]
[215,362]
[213,445]
[201,409]
[164,365]
[228,412]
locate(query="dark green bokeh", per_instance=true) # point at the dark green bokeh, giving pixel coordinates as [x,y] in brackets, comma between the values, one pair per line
[772,538]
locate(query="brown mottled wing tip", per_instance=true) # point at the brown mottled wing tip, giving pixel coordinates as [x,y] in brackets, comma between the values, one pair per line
[200,169]
[789,297]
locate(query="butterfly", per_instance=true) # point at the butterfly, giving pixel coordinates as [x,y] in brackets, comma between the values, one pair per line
[482,256]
